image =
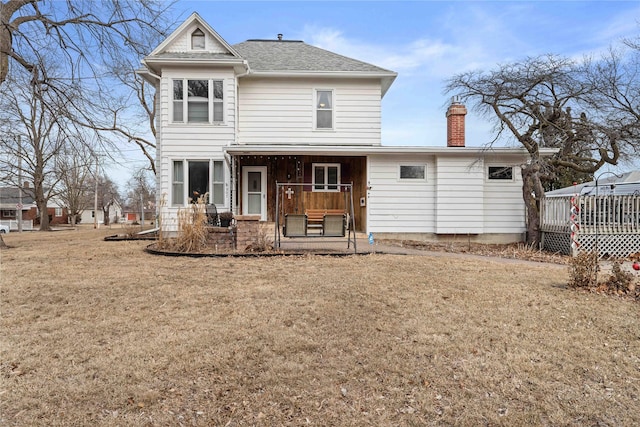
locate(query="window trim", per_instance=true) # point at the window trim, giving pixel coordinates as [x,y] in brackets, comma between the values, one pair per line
[316,109]
[204,40]
[185,102]
[491,178]
[57,212]
[401,165]
[210,181]
[325,184]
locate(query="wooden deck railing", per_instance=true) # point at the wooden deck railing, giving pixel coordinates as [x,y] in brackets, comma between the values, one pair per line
[595,214]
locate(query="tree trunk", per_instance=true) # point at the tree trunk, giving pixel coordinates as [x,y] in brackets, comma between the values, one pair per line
[5,42]
[532,194]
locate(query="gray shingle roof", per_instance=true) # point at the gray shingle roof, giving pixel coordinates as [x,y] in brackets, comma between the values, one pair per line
[275,55]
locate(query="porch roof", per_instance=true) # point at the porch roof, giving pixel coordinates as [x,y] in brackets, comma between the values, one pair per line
[354,150]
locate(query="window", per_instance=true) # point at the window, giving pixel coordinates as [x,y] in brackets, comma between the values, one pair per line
[199,100]
[197,40]
[217,101]
[177,183]
[198,181]
[58,212]
[326,177]
[504,173]
[324,109]
[413,172]
[218,183]
[8,213]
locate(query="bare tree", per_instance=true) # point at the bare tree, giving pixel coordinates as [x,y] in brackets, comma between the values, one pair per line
[88,33]
[74,167]
[97,45]
[549,101]
[32,138]
[141,190]
[108,194]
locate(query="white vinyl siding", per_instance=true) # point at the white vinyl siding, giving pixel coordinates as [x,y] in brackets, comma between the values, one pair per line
[504,210]
[180,141]
[282,111]
[460,198]
[396,206]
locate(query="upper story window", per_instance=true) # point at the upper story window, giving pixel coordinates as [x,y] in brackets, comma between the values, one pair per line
[201,102]
[504,173]
[197,40]
[326,177]
[413,172]
[324,109]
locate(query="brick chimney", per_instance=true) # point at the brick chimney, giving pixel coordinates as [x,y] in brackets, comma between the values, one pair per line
[455,124]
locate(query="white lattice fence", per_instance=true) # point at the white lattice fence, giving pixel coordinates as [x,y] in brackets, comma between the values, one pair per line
[609,225]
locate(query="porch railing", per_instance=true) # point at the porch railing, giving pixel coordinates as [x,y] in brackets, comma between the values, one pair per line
[607,224]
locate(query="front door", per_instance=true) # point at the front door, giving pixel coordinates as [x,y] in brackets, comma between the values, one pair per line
[254,191]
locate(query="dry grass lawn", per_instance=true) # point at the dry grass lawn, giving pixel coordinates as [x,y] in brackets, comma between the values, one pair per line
[97,333]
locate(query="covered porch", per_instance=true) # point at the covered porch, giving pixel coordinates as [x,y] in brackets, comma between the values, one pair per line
[316,175]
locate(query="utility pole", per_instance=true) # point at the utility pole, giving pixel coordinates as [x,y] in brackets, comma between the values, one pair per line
[95,198]
[19,206]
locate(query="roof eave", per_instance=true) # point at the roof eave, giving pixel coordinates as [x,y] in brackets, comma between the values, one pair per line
[240,149]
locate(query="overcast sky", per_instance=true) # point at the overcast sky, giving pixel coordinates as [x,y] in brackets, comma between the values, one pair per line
[426,42]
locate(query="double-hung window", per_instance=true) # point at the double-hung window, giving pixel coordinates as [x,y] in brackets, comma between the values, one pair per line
[192,179]
[324,109]
[326,177]
[195,99]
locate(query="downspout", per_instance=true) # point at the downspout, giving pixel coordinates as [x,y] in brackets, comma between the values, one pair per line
[232,167]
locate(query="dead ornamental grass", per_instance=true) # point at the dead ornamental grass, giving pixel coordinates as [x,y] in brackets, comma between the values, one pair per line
[101,333]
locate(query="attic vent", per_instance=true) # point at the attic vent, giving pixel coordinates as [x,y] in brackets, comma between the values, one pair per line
[197,40]
[280,37]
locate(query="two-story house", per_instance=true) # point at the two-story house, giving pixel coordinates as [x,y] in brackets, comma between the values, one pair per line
[234,120]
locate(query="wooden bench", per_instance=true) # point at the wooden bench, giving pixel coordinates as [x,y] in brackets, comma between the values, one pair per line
[317,219]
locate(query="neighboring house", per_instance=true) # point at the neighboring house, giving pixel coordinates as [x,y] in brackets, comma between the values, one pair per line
[131,214]
[234,120]
[11,204]
[115,214]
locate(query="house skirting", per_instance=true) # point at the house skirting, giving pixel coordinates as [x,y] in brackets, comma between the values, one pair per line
[606,244]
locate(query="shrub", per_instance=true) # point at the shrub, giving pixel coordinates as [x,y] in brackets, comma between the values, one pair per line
[261,244]
[583,270]
[192,228]
[619,280]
